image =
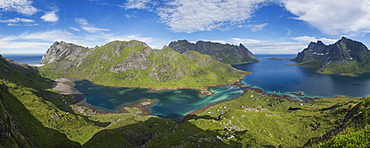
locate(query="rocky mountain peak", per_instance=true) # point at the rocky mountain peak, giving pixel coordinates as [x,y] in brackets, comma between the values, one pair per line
[63,51]
[226,53]
[342,52]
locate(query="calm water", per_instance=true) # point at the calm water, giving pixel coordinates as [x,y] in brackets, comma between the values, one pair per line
[170,104]
[277,76]
[30,59]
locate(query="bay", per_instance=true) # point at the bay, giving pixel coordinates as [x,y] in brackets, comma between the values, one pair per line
[276,76]
[172,104]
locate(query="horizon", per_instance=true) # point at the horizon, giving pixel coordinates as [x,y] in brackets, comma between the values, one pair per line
[263,26]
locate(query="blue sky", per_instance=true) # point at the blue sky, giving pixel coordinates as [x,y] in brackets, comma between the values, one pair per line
[263,26]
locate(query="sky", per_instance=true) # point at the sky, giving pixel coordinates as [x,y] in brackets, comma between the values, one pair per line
[263,26]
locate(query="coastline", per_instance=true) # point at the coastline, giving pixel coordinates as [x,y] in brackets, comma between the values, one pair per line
[66,87]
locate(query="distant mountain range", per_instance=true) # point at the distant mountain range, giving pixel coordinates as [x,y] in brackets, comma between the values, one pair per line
[135,64]
[226,53]
[345,57]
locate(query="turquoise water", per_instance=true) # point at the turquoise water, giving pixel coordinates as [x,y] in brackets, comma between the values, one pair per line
[174,104]
[276,76]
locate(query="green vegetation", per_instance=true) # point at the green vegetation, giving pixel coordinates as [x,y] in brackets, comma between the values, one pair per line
[274,58]
[345,57]
[140,66]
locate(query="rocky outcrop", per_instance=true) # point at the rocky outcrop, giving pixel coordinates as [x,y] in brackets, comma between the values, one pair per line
[63,51]
[340,55]
[226,53]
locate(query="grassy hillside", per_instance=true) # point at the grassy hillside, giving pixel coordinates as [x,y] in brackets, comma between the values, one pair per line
[244,122]
[22,106]
[116,64]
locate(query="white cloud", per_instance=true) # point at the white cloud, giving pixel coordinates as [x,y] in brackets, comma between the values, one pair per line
[87,27]
[258,27]
[130,16]
[94,29]
[73,28]
[205,15]
[137,4]
[245,41]
[20,6]
[39,42]
[17,20]
[50,17]
[276,48]
[334,17]
[268,47]
[308,39]
[82,21]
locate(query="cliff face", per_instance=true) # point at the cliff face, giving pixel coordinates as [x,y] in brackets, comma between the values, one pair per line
[63,51]
[226,53]
[343,57]
[134,64]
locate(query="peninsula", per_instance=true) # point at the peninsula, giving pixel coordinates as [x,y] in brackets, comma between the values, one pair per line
[345,57]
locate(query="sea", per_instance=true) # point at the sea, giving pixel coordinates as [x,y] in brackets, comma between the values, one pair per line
[30,59]
[272,76]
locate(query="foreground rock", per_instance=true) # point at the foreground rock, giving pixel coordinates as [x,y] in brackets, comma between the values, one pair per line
[226,53]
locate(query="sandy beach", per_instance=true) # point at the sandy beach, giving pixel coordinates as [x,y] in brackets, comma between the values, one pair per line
[66,87]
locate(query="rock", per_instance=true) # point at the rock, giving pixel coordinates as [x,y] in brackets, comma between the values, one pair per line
[226,53]
[341,57]
[63,51]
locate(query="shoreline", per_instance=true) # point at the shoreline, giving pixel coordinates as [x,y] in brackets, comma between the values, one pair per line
[66,87]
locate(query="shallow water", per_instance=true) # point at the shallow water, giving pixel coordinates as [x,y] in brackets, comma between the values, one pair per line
[279,77]
[174,104]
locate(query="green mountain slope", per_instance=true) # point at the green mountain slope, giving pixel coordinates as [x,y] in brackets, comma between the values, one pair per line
[345,57]
[353,131]
[134,64]
[22,105]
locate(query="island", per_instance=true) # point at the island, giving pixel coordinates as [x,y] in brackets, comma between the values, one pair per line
[274,58]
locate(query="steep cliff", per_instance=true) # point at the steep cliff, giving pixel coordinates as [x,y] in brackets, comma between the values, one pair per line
[345,57]
[226,53]
[135,64]
[63,51]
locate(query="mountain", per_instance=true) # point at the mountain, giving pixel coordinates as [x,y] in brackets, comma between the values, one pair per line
[346,57]
[24,104]
[135,64]
[226,53]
